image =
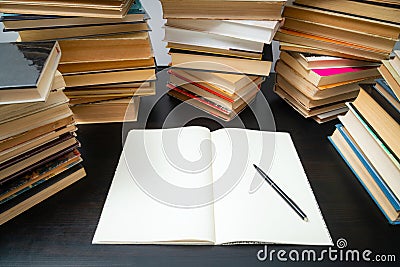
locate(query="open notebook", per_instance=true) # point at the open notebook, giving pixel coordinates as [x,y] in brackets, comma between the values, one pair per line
[155,198]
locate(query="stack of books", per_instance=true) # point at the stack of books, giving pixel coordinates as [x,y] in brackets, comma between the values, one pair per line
[368,139]
[220,50]
[107,57]
[339,42]
[38,145]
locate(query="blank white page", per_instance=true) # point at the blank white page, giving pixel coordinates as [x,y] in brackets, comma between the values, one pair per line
[134,213]
[264,216]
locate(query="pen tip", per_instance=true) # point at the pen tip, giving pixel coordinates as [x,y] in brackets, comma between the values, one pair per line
[305,219]
[255,166]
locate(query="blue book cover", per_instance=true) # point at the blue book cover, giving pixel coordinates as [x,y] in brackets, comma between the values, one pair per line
[340,129]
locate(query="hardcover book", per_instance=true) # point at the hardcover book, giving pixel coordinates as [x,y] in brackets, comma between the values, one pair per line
[27,71]
[342,144]
[132,215]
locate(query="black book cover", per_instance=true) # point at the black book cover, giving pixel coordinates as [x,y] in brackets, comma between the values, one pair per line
[22,63]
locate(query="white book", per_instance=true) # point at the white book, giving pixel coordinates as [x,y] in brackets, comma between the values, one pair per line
[251,30]
[192,186]
[190,37]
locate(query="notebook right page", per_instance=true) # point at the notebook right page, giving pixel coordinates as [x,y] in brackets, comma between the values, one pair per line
[243,214]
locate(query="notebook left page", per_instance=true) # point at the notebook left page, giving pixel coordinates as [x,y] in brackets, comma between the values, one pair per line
[154,196]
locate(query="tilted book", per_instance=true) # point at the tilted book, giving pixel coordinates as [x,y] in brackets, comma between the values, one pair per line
[196,187]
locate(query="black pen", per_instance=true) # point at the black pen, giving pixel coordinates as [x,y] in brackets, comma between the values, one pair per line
[282,194]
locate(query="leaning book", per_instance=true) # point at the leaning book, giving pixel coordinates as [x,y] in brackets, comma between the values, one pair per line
[27,71]
[190,186]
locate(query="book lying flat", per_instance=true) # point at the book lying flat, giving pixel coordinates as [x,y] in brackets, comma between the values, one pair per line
[102,9]
[40,192]
[220,201]
[329,45]
[203,104]
[374,155]
[340,20]
[116,110]
[205,39]
[17,22]
[314,61]
[382,12]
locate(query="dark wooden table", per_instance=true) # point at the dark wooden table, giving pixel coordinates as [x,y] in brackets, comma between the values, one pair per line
[59,230]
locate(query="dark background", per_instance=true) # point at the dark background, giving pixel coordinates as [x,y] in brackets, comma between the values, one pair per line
[59,230]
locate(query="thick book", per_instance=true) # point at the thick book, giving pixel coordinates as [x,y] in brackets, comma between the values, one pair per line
[364,177]
[116,110]
[395,62]
[309,89]
[371,42]
[205,104]
[27,71]
[224,64]
[232,84]
[235,205]
[304,110]
[101,9]
[340,20]
[386,126]
[40,192]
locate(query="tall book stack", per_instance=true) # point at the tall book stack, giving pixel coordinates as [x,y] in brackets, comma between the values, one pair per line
[107,57]
[38,147]
[329,47]
[368,139]
[220,51]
